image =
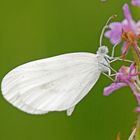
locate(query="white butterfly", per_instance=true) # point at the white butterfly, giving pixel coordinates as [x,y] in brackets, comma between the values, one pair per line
[55,84]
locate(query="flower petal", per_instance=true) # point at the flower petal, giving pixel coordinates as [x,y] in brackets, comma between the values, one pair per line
[132,71]
[131,23]
[137,28]
[114,34]
[113,87]
[137,109]
[125,50]
[135,2]
[127,13]
[136,48]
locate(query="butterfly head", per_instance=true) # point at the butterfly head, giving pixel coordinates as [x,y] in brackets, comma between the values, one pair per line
[103,50]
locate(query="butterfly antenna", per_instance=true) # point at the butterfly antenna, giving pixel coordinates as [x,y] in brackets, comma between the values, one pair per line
[105,27]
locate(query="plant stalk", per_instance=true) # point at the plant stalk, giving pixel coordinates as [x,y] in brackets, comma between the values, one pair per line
[137,135]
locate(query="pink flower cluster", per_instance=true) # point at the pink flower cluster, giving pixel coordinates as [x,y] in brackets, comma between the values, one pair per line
[128,32]
[125,77]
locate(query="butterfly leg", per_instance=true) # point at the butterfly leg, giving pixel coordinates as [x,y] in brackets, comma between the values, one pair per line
[109,72]
[109,68]
[119,59]
[70,111]
[108,76]
[112,69]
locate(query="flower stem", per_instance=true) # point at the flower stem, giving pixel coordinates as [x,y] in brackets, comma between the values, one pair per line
[138,128]
[137,136]
[136,58]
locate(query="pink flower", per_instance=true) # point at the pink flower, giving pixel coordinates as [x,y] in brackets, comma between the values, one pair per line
[128,30]
[135,2]
[125,77]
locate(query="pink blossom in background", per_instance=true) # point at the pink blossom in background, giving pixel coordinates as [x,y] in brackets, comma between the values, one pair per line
[135,2]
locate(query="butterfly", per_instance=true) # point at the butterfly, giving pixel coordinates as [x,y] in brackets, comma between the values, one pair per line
[57,83]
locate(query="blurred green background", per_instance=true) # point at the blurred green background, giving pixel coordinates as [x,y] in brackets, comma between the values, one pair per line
[32,29]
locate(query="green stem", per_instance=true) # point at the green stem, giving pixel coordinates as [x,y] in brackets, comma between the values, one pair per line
[137,136]
[135,57]
[138,128]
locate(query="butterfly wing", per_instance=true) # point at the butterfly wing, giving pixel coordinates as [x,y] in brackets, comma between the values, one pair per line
[52,84]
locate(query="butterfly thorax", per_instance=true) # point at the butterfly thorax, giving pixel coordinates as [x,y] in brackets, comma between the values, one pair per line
[103,62]
[103,59]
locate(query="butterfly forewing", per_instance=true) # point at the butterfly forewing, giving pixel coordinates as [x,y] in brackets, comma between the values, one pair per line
[52,84]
